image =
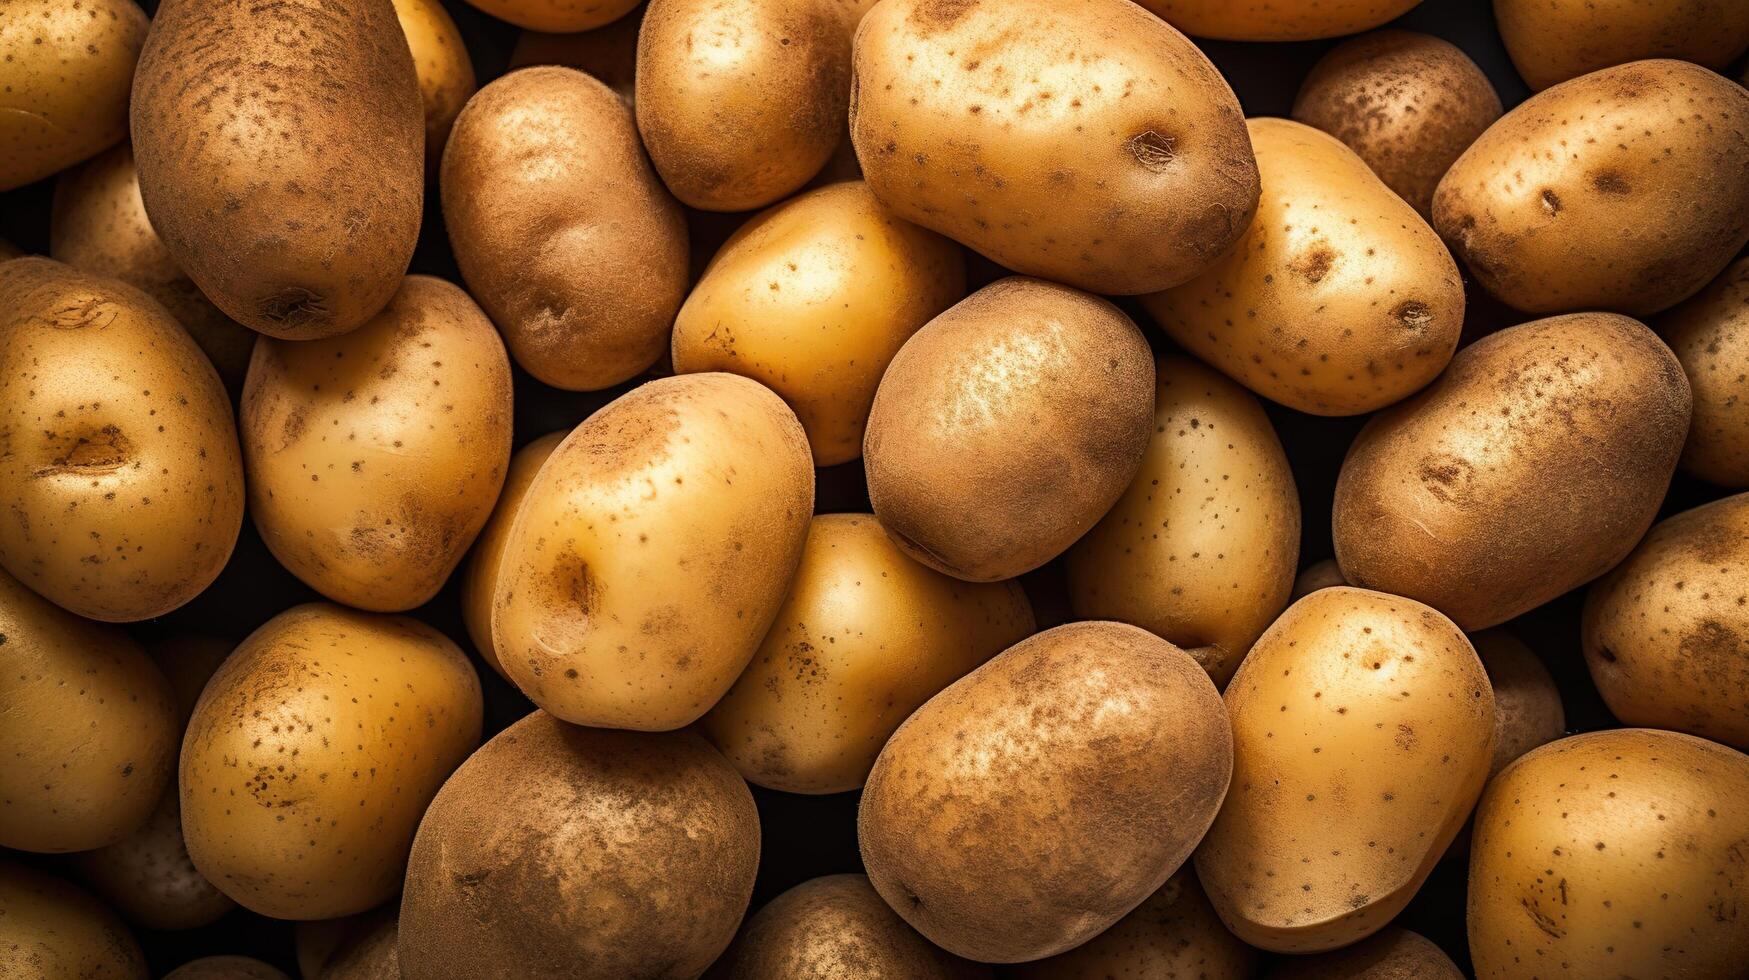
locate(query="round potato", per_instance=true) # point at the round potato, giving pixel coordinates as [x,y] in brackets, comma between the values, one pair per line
[1087,143]
[1605,192]
[1615,853]
[634,852]
[1043,796]
[1006,427]
[1272,20]
[864,638]
[66,69]
[1527,705]
[609,53]
[1201,548]
[480,577]
[440,60]
[558,16]
[49,930]
[281,151]
[1551,41]
[1363,727]
[1710,335]
[375,457]
[561,228]
[1318,575]
[226,968]
[1393,954]
[1530,468]
[313,753]
[812,299]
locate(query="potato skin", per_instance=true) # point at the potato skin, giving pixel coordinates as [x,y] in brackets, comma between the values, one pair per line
[1642,210]
[1551,41]
[226,968]
[1527,705]
[561,229]
[1201,548]
[480,576]
[1043,796]
[635,852]
[1318,575]
[1266,20]
[360,947]
[66,69]
[1391,954]
[558,16]
[1637,838]
[1151,175]
[1551,438]
[280,153]
[440,61]
[608,54]
[1363,726]
[50,929]
[1710,334]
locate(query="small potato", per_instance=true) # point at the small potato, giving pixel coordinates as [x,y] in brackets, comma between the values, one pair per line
[1530,468]
[864,638]
[1318,575]
[558,16]
[609,54]
[582,854]
[1043,796]
[1551,41]
[1085,142]
[1007,426]
[480,578]
[66,67]
[226,968]
[1527,705]
[1363,727]
[1272,20]
[1338,300]
[812,299]
[375,457]
[1201,548]
[313,753]
[1175,933]
[1409,104]
[1392,954]
[1626,189]
[1613,854]
[440,60]
[50,930]
[562,230]
[1710,335]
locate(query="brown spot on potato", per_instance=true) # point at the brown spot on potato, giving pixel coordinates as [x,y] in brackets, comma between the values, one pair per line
[1153,150]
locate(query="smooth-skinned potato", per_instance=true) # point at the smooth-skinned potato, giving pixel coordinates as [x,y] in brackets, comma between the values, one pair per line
[1710,335]
[1271,20]
[1527,705]
[1391,954]
[558,16]
[440,60]
[226,968]
[50,930]
[1551,41]
[480,577]
[66,69]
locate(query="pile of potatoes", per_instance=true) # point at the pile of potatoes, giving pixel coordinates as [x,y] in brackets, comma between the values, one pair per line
[787,489]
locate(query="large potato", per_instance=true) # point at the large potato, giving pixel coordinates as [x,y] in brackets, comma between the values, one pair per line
[1392,954]
[480,577]
[1175,933]
[375,457]
[1042,797]
[559,16]
[1363,727]
[1551,41]
[1201,548]
[1710,335]
[1338,300]
[1626,189]
[561,228]
[1615,854]
[1087,143]
[812,299]
[1273,20]
[440,60]
[1528,469]
[66,67]
[1527,704]
[313,753]
[50,930]
[119,459]
[280,149]
[1006,427]
[582,854]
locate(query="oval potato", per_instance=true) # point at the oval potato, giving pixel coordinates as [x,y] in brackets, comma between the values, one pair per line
[480,577]
[1175,933]
[558,16]
[1391,954]
[66,69]
[1272,20]
[49,929]
[1551,41]
[440,60]
[1710,335]
[1527,704]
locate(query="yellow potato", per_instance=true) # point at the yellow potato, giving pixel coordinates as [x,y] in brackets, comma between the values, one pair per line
[1616,854]
[1392,954]
[1087,143]
[609,53]
[1710,335]
[440,60]
[1318,575]
[50,930]
[1363,727]
[226,968]
[812,299]
[559,16]
[480,577]
[1175,933]
[1273,20]
[313,753]
[375,457]
[1527,705]
[1551,41]
[1201,548]
[65,70]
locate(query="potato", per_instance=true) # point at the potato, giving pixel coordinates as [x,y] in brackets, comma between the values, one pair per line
[1271,20]
[480,577]
[581,853]
[65,68]
[1087,143]
[226,968]
[1043,796]
[280,150]
[1710,335]
[1615,853]
[1551,41]
[1626,189]
[1409,104]
[608,53]
[375,457]
[314,751]
[440,60]
[1530,468]
[1392,954]
[1007,426]
[558,16]
[1201,548]
[1318,575]
[1363,727]
[1343,311]
[812,299]
[117,447]
[1527,705]
[50,930]
[561,228]
[864,638]
[360,947]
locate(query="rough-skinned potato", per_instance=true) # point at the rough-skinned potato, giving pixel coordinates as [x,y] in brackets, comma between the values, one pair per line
[1175,933]
[440,59]
[65,69]
[1551,41]
[558,16]
[1271,20]
[1391,954]
[1710,335]
[480,577]
[51,930]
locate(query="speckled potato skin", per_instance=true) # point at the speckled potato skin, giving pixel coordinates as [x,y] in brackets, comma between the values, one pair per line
[280,149]
[813,298]
[1648,202]
[374,458]
[583,854]
[1087,143]
[1616,853]
[313,752]
[865,637]
[1551,41]
[1710,335]
[558,16]
[66,68]
[1391,954]
[1527,705]
[1338,299]
[561,229]
[440,60]
[1530,468]
[1273,20]
[49,929]
[480,575]
[1363,727]
[608,54]
[1043,796]
[226,968]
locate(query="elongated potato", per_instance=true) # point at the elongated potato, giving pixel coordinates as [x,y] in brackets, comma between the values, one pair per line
[1175,933]
[1710,335]
[1551,41]
[559,16]
[480,577]
[1391,954]
[440,60]
[49,929]
[1271,20]
[1527,705]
